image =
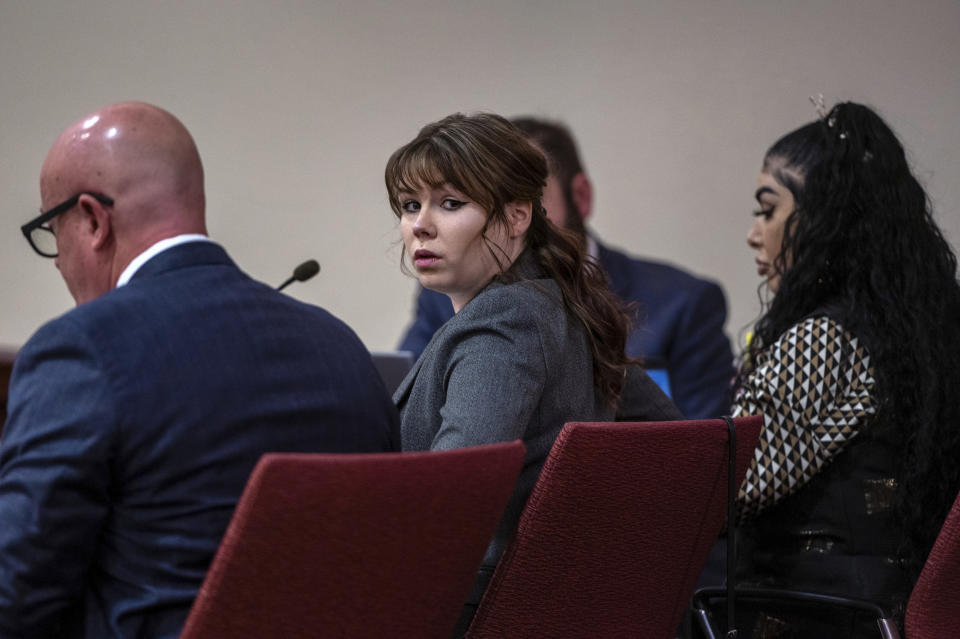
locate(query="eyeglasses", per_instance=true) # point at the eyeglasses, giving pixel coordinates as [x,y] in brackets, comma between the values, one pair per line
[38,231]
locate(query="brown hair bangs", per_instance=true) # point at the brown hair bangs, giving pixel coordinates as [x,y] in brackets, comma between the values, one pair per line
[431,162]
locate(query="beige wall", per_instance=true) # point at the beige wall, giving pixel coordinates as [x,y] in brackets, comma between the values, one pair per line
[296,105]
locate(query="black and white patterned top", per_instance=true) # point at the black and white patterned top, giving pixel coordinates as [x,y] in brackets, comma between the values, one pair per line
[813,387]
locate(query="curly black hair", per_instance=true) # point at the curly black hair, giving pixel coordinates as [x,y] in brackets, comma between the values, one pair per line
[862,242]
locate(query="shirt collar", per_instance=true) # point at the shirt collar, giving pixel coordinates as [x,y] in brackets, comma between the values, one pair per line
[155,250]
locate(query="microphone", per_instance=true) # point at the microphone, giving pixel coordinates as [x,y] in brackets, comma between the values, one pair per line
[302,273]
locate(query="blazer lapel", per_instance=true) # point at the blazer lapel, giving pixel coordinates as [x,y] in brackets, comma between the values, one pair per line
[402,393]
[403,390]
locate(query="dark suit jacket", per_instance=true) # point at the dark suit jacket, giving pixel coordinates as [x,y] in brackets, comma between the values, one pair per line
[680,328]
[134,422]
[512,364]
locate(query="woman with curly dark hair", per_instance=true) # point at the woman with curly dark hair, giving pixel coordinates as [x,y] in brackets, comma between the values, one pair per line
[538,337]
[854,365]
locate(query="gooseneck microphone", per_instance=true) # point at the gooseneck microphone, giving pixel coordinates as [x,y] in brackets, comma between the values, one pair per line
[302,273]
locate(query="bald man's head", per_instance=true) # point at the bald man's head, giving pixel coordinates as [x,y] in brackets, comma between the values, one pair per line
[142,158]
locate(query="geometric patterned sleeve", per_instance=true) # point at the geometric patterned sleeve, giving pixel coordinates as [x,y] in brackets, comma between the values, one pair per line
[813,388]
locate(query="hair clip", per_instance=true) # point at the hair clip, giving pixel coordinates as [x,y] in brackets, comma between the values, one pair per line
[820,106]
[829,117]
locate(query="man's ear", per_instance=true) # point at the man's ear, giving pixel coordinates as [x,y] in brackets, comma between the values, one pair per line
[519,215]
[581,190]
[97,221]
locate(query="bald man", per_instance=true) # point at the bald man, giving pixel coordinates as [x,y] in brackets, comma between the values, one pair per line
[136,418]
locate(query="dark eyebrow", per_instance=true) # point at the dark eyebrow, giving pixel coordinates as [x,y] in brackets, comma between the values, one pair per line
[762,190]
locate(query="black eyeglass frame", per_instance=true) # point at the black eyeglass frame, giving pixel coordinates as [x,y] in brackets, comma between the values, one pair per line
[39,221]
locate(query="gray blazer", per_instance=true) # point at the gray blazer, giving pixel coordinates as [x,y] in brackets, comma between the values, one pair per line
[512,364]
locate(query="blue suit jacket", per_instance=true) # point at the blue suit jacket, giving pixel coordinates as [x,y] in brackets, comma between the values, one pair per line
[679,328]
[134,422]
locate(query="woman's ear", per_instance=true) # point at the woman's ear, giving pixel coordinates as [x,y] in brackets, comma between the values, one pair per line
[519,215]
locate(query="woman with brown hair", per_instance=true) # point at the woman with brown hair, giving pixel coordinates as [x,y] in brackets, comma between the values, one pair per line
[537,339]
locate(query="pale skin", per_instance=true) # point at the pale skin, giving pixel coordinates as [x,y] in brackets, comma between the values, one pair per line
[443,236]
[146,161]
[776,204]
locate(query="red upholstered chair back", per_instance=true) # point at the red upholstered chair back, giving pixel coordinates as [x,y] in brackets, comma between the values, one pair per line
[616,531]
[933,610]
[366,545]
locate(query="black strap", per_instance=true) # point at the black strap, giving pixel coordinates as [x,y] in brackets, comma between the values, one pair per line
[732,490]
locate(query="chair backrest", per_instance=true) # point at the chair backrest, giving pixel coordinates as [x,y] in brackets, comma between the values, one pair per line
[933,609]
[359,545]
[616,531]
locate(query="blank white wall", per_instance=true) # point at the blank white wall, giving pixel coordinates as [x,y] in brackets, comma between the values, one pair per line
[296,106]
